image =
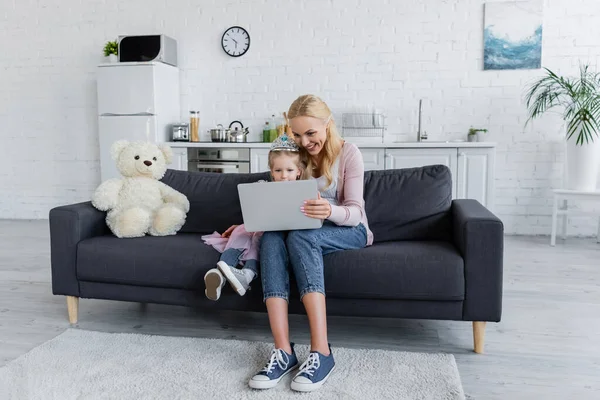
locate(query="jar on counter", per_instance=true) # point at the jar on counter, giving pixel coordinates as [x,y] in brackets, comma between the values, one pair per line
[194,126]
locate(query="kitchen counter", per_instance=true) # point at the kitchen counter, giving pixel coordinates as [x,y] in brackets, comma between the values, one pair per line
[471,164]
[386,145]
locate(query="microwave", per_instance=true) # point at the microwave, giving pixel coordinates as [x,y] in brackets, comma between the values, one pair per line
[145,48]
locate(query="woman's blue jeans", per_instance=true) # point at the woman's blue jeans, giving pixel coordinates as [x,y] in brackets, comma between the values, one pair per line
[304,251]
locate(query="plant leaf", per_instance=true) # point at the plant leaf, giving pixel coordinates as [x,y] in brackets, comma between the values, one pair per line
[579,96]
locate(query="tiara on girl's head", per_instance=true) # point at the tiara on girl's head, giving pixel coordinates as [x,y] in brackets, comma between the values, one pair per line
[284,143]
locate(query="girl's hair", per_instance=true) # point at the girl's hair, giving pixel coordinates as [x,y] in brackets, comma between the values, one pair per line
[309,105]
[301,161]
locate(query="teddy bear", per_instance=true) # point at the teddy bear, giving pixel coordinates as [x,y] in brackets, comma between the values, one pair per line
[138,203]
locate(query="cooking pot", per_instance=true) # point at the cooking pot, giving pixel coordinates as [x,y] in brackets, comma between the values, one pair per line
[219,134]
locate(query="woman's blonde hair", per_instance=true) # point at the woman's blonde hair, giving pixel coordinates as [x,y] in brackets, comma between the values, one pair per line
[309,105]
[301,161]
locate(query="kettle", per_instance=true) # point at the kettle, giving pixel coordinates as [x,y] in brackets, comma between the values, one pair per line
[237,136]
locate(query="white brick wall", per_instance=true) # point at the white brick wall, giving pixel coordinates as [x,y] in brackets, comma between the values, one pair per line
[381,52]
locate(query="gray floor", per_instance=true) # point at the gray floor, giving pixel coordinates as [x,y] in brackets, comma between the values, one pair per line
[546,347]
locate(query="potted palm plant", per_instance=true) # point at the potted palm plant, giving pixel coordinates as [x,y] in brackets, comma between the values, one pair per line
[579,98]
[111,50]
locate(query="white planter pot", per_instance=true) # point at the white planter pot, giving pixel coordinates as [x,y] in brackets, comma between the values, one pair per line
[112,58]
[583,163]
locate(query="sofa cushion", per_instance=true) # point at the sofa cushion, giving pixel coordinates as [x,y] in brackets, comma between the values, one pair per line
[394,270]
[178,261]
[427,270]
[409,204]
[214,199]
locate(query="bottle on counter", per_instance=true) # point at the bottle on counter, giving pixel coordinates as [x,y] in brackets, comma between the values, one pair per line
[267,132]
[273,126]
[281,126]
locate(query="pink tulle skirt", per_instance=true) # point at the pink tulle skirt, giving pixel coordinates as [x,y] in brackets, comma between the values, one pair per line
[248,242]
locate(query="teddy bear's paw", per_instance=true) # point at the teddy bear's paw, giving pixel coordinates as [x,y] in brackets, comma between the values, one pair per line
[132,222]
[167,221]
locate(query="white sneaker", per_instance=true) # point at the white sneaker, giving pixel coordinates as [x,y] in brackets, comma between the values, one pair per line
[236,277]
[214,282]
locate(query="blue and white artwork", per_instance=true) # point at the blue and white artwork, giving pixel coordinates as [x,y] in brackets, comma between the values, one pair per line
[513,35]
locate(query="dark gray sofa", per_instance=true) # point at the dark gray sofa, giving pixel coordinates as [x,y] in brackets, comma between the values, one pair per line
[433,257]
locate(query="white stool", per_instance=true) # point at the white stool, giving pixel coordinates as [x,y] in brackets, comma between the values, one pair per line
[564,195]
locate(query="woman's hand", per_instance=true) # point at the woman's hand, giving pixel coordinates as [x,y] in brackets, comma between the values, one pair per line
[227,233]
[318,209]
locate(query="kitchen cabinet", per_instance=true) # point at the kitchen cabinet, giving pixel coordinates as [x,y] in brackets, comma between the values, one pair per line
[180,159]
[411,158]
[475,175]
[259,160]
[374,159]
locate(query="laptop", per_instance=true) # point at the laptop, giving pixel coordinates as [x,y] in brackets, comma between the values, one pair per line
[275,206]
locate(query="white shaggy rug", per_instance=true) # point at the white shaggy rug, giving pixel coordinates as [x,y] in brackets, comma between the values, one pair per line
[81,364]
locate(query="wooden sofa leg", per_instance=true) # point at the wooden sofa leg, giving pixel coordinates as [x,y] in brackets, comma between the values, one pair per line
[73,307]
[478,335]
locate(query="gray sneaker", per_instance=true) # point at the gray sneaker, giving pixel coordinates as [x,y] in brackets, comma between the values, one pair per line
[236,277]
[214,282]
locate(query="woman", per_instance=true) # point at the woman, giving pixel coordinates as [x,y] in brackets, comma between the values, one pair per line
[338,168]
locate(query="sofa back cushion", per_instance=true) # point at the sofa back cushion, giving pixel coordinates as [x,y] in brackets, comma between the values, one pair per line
[214,199]
[409,204]
[401,204]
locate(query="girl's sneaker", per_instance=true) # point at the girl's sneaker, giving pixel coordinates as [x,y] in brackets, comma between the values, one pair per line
[214,282]
[280,364]
[313,372]
[239,280]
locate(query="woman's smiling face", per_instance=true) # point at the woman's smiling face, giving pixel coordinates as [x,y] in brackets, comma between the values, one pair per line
[309,133]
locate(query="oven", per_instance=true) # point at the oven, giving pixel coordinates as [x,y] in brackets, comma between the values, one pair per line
[221,160]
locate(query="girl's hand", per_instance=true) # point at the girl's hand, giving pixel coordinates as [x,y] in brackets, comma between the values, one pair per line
[227,233]
[318,209]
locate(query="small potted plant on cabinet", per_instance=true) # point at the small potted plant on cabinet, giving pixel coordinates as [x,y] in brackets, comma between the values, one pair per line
[475,135]
[111,50]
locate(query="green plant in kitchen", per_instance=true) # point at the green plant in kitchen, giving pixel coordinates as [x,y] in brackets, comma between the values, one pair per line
[473,131]
[579,99]
[111,48]
[578,96]
[473,135]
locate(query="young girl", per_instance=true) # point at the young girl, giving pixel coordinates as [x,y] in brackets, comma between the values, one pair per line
[239,247]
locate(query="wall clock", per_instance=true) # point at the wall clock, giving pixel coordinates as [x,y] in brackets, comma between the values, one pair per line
[235,41]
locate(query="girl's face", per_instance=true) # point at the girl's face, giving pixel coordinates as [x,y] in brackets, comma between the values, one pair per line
[309,133]
[285,168]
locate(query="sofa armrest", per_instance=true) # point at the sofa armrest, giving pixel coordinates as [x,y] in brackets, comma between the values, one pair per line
[479,236]
[68,226]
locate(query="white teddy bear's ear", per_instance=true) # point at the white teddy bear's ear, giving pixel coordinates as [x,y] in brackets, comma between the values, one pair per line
[167,152]
[117,147]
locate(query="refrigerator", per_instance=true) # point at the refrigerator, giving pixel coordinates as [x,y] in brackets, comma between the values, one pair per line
[136,101]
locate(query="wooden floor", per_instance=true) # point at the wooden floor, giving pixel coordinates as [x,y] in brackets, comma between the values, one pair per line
[546,347]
